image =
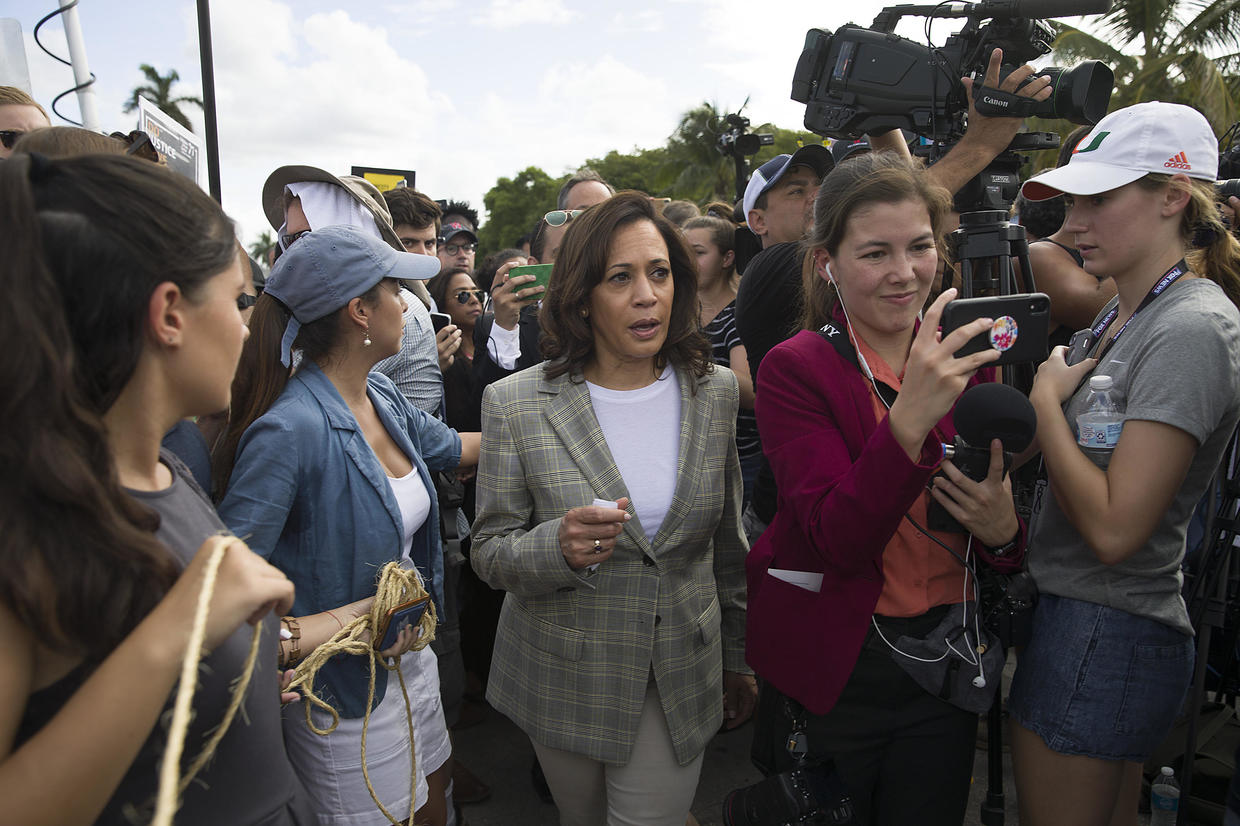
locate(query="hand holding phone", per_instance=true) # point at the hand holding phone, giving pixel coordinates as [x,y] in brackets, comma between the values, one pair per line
[542,278]
[402,616]
[1020,328]
[439,321]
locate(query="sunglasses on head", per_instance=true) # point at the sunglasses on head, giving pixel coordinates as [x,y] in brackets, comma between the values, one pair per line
[138,143]
[8,137]
[560,217]
[463,296]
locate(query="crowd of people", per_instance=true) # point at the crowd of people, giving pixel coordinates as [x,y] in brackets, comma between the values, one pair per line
[671,489]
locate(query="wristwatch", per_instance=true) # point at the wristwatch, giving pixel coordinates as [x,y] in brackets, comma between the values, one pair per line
[1005,548]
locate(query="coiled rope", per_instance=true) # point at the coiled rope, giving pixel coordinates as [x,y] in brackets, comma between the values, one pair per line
[397,586]
[171,787]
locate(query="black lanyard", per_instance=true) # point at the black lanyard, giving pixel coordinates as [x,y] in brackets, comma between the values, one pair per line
[843,345]
[1170,277]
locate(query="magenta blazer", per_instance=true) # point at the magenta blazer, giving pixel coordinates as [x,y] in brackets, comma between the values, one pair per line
[844,485]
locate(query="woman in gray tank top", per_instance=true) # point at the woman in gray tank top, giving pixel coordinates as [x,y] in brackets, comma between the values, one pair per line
[121,317]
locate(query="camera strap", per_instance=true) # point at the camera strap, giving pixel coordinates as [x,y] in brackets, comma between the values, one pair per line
[997,103]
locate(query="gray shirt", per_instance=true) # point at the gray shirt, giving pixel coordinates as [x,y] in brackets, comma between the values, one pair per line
[415,368]
[250,779]
[1177,363]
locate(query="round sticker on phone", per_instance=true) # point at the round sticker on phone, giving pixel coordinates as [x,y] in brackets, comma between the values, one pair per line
[1003,333]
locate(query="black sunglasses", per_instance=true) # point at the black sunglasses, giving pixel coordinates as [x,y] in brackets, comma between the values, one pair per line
[8,137]
[288,240]
[245,301]
[462,296]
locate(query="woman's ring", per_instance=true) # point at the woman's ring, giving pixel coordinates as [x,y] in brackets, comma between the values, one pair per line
[598,547]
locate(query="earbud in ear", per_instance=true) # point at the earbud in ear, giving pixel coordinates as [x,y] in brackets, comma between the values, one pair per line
[826,267]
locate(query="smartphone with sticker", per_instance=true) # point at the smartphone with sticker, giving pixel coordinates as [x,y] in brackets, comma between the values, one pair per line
[402,616]
[1019,331]
[542,277]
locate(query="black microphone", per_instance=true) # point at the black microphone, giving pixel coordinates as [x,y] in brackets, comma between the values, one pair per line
[985,412]
[995,411]
[1042,8]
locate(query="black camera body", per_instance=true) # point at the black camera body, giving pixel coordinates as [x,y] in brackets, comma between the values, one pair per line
[808,795]
[860,80]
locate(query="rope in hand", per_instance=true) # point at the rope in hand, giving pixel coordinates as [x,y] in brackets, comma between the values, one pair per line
[396,586]
[170,786]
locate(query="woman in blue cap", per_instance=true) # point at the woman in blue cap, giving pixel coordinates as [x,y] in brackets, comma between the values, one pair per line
[328,476]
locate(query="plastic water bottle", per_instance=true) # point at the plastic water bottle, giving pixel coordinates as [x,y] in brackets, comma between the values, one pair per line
[1098,428]
[1164,798]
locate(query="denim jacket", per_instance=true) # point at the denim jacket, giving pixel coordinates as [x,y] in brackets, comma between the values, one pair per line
[309,495]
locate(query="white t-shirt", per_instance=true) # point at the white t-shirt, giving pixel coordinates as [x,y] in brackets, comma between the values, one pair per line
[642,429]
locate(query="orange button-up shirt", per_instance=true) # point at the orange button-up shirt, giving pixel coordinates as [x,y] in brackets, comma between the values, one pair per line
[918,574]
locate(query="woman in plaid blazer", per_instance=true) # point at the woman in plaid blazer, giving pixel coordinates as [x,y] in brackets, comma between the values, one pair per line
[609,510]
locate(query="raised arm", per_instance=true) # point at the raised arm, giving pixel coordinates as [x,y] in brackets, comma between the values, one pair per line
[68,770]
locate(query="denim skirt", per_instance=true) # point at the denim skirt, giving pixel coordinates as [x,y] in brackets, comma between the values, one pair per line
[1100,682]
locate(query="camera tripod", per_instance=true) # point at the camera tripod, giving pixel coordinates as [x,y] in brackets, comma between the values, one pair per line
[985,246]
[1209,592]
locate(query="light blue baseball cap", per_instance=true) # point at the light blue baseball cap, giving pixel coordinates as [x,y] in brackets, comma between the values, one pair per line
[329,267]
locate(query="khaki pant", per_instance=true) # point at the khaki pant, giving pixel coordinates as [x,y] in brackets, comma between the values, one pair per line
[651,790]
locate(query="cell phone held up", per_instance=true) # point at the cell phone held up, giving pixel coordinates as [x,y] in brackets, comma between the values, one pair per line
[542,277]
[1019,331]
[402,616]
[439,321]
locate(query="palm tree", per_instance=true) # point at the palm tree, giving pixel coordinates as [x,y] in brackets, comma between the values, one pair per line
[158,90]
[695,169]
[1182,51]
[259,249]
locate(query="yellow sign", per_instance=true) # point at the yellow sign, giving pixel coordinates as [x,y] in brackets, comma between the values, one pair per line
[385,179]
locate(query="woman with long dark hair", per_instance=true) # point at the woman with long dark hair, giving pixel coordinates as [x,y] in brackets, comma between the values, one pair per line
[121,317]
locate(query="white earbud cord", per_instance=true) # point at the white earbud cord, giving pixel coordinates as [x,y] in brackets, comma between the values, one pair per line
[974,657]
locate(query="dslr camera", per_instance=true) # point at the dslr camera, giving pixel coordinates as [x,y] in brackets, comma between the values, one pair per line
[808,795]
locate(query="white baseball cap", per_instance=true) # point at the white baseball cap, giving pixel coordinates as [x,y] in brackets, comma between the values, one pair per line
[1128,144]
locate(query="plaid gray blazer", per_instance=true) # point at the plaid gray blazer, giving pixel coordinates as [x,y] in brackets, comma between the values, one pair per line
[575,649]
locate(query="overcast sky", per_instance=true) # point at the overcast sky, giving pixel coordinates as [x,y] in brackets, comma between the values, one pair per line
[462,91]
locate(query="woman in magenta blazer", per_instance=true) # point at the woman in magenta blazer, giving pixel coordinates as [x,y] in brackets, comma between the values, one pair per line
[853,431]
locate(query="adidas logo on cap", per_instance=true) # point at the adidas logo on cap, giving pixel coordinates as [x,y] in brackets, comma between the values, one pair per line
[1178,161]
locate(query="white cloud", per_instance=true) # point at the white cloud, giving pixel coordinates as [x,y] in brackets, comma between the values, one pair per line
[326,91]
[506,14]
[628,22]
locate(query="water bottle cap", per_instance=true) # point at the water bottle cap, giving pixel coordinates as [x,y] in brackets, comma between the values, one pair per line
[1167,771]
[1099,383]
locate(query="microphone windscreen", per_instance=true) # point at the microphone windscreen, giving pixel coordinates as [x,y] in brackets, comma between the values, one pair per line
[995,411]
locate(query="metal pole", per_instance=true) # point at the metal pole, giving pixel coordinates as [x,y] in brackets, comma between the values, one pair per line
[81,67]
[208,98]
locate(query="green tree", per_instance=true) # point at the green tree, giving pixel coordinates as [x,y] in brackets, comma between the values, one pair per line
[260,248]
[638,169]
[158,90]
[1182,51]
[514,205]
